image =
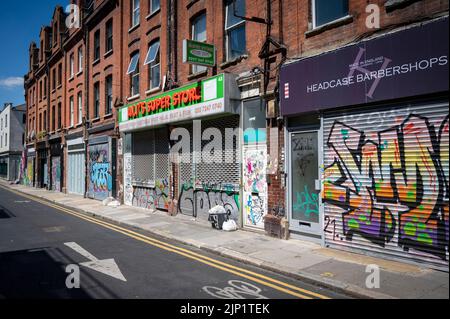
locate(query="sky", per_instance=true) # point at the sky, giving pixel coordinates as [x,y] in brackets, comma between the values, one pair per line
[20,23]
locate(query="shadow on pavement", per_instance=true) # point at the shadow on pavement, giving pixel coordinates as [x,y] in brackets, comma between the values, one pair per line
[34,274]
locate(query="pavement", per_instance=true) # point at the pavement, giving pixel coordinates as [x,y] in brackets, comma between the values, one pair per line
[340,271]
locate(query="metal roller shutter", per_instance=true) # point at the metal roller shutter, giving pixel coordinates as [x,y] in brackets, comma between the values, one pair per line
[386,183]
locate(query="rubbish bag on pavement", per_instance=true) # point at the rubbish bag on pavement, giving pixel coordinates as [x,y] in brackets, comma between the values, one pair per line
[217,216]
[229,225]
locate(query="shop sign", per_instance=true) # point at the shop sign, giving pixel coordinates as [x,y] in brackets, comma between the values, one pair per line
[196,100]
[402,64]
[200,53]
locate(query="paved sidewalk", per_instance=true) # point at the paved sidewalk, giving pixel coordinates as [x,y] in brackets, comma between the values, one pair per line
[332,268]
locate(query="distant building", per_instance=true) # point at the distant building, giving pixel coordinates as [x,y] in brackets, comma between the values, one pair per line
[12,125]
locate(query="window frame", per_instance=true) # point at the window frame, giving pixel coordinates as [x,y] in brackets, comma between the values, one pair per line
[108,95]
[80,59]
[151,10]
[314,16]
[135,20]
[199,68]
[229,29]
[72,111]
[134,74]
[96,46]
[156,63]
[109,34]
[96,104]
[80,107]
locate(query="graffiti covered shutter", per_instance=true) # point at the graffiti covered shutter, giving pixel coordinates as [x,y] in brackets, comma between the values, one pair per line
[386,183]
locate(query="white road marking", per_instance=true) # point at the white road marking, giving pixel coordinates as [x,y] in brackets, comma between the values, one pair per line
[106,266]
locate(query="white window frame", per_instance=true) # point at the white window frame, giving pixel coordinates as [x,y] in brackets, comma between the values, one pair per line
[71,105]
[152,64]
[228,29]
[153,10]
[135,73]
[71,65]
[80,107]
[135,20]
[199,68]
[108,108]
[314,23]
[80,59]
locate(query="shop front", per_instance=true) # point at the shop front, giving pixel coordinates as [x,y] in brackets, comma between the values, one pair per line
[182,149]
[367,145]
[56,165]
[76,166]
[42,165]
[28,174]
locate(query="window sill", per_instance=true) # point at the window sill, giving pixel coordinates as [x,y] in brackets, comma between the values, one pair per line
[79,73]
[330,25]
[59,86]
[392,5]
[71,79]
[235,61]
[134,97]
[107,54]
[53,91]
[108,116]
[95,120]
[152,14]
[134,28]
[197,75]
[154,90]
[96,62]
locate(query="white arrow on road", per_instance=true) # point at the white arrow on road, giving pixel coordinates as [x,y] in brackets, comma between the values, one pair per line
[106,266]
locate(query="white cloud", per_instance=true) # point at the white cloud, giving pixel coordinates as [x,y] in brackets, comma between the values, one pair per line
[11,82]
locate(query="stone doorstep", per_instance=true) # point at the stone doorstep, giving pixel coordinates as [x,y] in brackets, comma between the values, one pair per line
[354,290]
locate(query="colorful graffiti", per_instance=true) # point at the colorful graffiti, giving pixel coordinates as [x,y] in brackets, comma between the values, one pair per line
[255,186]
[198,198]
[28,178]
[100,178]
[392,186]
[307,202]
[152,197]
[56,174]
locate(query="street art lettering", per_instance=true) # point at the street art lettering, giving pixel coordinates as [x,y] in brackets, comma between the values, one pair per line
[307,202]
[100,181]
[56,174]
[195,200]
[391,186]
[152,197]
[28,176]
[255,171]
[128,187]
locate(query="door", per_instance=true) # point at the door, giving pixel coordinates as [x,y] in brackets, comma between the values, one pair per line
[304,194]
[76,173]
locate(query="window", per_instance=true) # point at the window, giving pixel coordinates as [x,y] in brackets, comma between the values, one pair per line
[325,11]
[97,45]
[109,36]
[59,115]
[45,88]
[54,79]
[96,99]
[6,120]
[6,139]
[80,107]
[44,128]
[235,29]
[59,74]
[133,71]
[80,59]
[136,12]
[199,34]
[71,66]
[109,95]
[53,118]
[154,5]
[71,111]
[153,62]
[40,90]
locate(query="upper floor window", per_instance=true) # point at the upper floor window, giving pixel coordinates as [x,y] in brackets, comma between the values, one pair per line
[54,79]
[97,45]
[109,35]
[59,74]
[80,107]
[96,100]
[108,95]
[153,62]
[71,111]
[154,5]
[71,65]
[135,13]
[199,34]
[133,71]
[325,11]
[80,59]
[235,28]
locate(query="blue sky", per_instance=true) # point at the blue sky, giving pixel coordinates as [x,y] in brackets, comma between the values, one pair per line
[20,23]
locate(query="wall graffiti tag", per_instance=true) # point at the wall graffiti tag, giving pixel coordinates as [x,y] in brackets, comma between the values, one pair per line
[100,177]
[127,175]
[392,185]
[198,198]
[56,174]
[152,197]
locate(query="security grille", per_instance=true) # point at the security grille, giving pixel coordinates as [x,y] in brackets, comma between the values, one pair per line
[161,154]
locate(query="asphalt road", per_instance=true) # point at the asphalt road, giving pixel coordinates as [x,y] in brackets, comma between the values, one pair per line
[38,242]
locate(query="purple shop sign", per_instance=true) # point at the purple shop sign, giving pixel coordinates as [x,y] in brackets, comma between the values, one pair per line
[406,63]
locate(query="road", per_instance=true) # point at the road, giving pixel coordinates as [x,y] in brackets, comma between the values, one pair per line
[39,242]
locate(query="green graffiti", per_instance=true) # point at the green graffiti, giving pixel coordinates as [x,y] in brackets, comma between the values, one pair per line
[425,239]
[410,229]
[353,223]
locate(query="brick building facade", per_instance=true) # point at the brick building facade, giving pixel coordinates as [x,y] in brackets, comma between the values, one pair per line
[131,53]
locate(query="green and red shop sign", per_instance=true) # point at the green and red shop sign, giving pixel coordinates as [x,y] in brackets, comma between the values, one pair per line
[196,100]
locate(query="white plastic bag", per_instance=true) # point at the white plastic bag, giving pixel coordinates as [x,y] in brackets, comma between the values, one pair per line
[229,225]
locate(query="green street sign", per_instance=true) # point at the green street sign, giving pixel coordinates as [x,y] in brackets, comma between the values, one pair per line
[199,53]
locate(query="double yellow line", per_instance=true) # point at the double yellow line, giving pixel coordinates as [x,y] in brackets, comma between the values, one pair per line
[238,271]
